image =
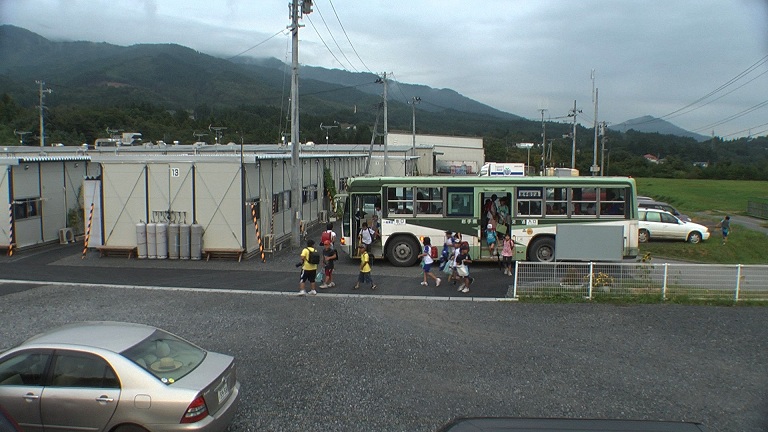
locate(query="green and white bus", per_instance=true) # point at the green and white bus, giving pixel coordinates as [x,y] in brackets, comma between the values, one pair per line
[410,208]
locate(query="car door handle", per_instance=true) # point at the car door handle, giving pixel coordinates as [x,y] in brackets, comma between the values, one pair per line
[31,396]
[104,398]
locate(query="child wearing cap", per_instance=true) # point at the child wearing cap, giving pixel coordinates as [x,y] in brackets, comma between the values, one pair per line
[329,256]
[365,268]
[490,238]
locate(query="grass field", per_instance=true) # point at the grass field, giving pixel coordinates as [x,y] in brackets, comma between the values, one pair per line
[706,201]
[690,196]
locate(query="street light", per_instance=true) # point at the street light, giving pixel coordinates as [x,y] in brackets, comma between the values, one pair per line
[327,128]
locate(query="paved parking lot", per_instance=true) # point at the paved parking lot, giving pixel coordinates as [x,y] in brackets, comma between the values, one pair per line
[342,363]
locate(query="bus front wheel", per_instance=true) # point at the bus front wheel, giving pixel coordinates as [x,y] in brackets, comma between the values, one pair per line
[542,250]
[402,251]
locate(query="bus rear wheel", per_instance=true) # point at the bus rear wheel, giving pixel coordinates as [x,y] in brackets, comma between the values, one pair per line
[402,251]
[542,250]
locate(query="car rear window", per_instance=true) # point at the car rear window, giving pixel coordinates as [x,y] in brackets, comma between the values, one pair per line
[165,356]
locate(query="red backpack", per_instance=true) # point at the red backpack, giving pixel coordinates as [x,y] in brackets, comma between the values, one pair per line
[325,237]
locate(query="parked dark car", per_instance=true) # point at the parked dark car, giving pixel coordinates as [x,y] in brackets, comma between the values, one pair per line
[642,203]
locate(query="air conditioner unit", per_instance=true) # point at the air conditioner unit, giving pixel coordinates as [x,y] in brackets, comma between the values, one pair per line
[268,242]
[66,236]
[323,215]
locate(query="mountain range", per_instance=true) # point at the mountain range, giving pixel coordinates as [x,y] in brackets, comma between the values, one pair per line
[179,78]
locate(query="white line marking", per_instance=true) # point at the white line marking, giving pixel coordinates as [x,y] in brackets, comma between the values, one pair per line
[250,292]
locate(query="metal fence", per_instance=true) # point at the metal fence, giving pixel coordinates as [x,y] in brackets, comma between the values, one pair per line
[664,281]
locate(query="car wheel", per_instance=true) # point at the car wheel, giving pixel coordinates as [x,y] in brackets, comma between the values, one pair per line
[542,250]
[694,237]
[643,236]
[130,428]
[402,251]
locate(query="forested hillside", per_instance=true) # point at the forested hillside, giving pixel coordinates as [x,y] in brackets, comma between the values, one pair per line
[171,93]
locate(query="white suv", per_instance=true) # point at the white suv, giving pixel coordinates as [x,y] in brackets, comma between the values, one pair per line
[659,224]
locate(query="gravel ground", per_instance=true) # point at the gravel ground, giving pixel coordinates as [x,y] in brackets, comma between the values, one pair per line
[337,363]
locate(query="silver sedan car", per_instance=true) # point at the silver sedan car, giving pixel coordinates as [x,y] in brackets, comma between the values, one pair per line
[120,377]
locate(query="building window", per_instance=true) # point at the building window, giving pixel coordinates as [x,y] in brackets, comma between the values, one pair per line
[26,208]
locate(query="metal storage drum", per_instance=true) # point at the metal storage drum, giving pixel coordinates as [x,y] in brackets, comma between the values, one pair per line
[196,242]
[152,241]
[162,240]
[173,241]
[141,240]
[184,230]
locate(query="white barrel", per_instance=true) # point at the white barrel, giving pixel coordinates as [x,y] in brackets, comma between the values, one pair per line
[162,241]
[184,241]
[196,242]
[152,241]
[173,241]
[141,239]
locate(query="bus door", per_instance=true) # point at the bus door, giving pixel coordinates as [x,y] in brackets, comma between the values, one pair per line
[495,211]
[364,208]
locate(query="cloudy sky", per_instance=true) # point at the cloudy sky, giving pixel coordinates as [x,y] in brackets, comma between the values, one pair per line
[700,64]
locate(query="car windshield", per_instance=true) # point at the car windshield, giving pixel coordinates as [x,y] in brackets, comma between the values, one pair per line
[165,356]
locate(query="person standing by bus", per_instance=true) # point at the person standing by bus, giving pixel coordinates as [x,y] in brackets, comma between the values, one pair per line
[366,236]
[426,262]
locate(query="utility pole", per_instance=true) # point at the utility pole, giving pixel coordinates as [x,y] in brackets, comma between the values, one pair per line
[602,151]
[296,14]
[383,80]
[414,101]
[573,114]
[42,93]
[543,142]
[595,168]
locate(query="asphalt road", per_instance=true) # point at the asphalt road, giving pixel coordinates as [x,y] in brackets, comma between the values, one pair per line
[404,358]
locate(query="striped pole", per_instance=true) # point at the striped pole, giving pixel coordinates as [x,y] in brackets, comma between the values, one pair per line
[87,232]
[10,229]
[258,233]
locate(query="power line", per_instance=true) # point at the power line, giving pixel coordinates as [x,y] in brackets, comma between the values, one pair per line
[258,44]
[734,116]
[740,75]
[334,38]
[347,36]
[326,45]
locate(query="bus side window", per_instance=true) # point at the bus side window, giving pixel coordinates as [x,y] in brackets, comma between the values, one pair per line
[459,201]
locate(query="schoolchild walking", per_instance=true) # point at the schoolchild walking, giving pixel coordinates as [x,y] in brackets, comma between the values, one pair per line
[365,268]
[490,238]
[462,268]
[426,262]
[507,248]
[310,258]
[329,256]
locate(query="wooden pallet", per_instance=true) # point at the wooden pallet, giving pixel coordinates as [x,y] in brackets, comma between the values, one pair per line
[126,251]
[223,253]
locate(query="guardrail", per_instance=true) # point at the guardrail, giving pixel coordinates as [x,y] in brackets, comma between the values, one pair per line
[758,208]
[666,281]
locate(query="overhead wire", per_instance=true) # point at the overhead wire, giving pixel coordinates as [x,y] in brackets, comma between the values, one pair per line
[257,45]
[326,45]
[733,117]
[347,36]
[334,38]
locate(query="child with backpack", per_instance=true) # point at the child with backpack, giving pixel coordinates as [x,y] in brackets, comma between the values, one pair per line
[365,268]
[328,236]
[310,258]
[426,262]
[507,250]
